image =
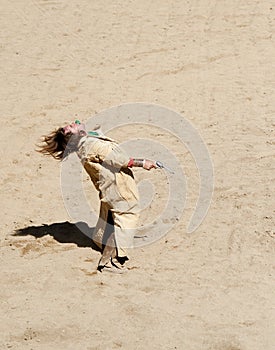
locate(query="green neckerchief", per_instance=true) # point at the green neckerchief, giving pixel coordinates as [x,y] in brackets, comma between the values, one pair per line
[93,133]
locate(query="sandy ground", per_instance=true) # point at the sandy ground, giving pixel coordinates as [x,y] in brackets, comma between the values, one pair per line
[212,61]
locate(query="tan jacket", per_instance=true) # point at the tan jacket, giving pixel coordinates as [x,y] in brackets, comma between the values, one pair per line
[106,163]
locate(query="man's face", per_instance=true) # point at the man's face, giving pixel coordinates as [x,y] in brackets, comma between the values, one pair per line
[73,128]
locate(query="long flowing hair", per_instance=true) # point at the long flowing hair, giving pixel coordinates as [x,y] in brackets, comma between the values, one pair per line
[58,144]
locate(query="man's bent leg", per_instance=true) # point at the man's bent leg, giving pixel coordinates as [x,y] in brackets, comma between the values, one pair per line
[101,225]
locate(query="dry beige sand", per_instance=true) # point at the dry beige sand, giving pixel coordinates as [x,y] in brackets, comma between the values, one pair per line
[214,62]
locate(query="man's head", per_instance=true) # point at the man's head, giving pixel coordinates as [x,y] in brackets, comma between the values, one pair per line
[66,138]
[75,128]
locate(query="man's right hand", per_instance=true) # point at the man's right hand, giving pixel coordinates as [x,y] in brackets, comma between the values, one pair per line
[149,164]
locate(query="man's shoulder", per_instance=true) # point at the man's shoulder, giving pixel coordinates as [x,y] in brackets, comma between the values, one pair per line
[90,145]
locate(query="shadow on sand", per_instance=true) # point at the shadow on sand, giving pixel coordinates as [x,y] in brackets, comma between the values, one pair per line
[62,232]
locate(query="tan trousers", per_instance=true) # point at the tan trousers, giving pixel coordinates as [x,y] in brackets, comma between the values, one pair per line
[114,232]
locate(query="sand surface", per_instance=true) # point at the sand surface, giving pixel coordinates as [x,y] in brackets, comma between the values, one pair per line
[212,61]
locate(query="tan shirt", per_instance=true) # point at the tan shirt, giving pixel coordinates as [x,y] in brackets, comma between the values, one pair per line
[106,163]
